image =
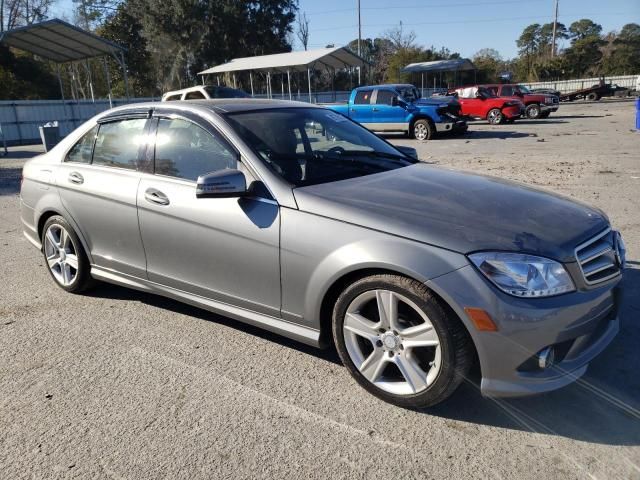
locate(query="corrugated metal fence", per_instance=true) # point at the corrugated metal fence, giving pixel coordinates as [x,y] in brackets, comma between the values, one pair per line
[565,86]
[20,119]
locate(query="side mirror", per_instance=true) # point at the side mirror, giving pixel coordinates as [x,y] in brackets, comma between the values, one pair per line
[480,95]
[221,184]
[408,151]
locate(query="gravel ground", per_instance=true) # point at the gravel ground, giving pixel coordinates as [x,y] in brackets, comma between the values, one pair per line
[122,384]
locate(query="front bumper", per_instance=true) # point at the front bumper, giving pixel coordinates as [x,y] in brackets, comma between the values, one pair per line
[452,126]
[578,325]
[549,108]
[512,112]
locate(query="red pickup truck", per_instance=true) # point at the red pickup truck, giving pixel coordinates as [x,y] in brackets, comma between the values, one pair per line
[537,105]
[479,102]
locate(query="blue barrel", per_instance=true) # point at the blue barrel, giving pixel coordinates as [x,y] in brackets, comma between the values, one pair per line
[638,113]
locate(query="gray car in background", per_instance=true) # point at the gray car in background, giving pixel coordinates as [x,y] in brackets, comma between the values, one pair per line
[296,219]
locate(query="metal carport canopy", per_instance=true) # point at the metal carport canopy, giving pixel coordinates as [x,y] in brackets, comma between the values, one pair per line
[440,66]
[335,57]
[61,42]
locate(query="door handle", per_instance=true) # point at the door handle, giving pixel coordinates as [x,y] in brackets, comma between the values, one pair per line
[156,196]
[75,177]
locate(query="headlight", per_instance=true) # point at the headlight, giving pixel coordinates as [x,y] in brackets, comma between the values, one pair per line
[523,275]
[548,100]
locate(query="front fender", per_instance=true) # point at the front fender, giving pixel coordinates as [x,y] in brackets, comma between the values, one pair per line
[318,251]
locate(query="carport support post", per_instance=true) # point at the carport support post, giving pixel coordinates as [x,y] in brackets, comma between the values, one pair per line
[309,78]
[124,73]
[251,81]
[289,82]
[282,87]
[269,89]
[108,77]
[234,80]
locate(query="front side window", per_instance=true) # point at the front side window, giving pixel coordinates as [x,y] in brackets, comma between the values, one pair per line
[385,97]
[81,151]
[507,91]
[172,98]
[118,142]
[307,146]
[363,97]
[186,150]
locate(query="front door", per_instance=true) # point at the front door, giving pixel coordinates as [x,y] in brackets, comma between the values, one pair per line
[360,108]
[98,187]
[225,249]
[386,115]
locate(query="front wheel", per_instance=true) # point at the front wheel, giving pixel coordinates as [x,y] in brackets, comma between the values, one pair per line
[399,342]
[65,258]
[495,116]
[533,110]
[422,130]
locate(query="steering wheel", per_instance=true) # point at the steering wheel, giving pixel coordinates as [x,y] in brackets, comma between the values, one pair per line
[336,150]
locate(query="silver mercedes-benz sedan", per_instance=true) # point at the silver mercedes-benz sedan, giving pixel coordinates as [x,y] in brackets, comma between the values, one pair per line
[296,219]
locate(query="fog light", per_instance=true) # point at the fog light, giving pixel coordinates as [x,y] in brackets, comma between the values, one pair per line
[545,357]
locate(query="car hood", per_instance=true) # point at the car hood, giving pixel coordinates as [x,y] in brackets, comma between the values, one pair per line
[436,101]
[458,211]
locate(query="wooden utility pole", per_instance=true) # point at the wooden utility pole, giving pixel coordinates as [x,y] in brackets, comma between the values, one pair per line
[553,38]
[359,41]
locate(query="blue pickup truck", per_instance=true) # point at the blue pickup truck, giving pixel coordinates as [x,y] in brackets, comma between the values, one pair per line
[399,108]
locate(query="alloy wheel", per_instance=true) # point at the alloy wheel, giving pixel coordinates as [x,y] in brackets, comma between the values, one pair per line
[61,254]
[392,342]
[420,132]
[495,116]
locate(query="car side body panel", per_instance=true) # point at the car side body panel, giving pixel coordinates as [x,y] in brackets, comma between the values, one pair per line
[313,258]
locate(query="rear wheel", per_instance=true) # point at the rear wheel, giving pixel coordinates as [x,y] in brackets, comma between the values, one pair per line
[533,110]
[422,130]
[495,116]
[398,341]
[66,259]
[593,96]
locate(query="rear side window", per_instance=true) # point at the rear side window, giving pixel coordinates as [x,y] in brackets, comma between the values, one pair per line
[385,97]
[173,97]
[363,97]
[194,96]
[185,150]
[81,151]
[118,142]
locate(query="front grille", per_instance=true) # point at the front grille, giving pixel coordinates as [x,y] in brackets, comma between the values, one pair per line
[597,258]
[451,110]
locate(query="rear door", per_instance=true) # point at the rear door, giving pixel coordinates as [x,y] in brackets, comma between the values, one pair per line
[386,115]
[98,182]
[360,108]
[224,249]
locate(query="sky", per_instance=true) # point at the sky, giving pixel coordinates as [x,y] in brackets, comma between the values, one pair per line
[463,26]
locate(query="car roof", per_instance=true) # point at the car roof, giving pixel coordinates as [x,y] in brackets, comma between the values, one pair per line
[218,105]
[387,85]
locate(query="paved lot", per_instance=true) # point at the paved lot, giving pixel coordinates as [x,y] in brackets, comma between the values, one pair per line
[121,384]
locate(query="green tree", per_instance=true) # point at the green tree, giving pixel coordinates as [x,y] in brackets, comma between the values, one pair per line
[124,29]
[528,46]
[625,55]
[583,29]
[489,64]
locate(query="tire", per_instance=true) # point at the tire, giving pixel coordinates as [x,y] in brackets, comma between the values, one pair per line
[533,111]
[495,116]
[593,97]
[381,349]
[422,130]
[65,257]
[545,114]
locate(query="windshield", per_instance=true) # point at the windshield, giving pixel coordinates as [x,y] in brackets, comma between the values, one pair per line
[225,92]
[307,146]
[523,89]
